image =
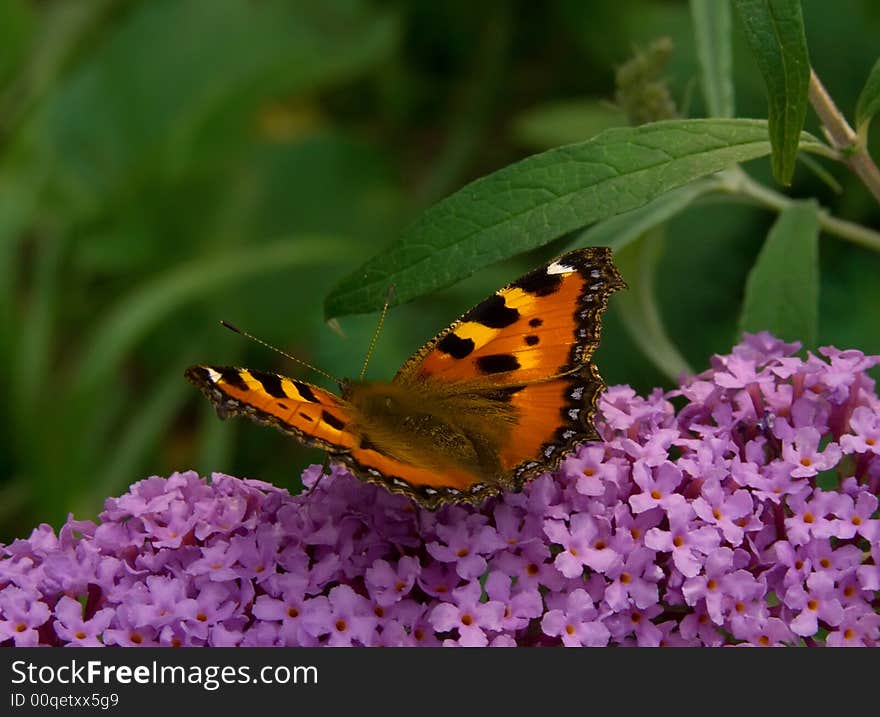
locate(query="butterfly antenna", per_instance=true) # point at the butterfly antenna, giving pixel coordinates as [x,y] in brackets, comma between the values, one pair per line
[377,332]
[286,355]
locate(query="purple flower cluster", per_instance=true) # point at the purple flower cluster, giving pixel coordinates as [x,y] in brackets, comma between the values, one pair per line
[746,517]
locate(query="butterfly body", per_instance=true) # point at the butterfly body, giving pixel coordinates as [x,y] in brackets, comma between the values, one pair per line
[441,426]
[498,397]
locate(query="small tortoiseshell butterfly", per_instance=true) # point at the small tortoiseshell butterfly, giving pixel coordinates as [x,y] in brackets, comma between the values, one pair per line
[498,397]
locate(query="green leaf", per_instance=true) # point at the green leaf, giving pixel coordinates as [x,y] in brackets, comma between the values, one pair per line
[775,32]
[565,122]
[619,231]
[869,101]
[782,290]
[532,202]
[712,32]
[638,306]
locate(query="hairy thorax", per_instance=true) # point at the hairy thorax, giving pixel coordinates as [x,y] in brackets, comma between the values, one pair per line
[428,423]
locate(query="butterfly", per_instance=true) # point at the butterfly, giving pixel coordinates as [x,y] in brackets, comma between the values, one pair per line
[498,397]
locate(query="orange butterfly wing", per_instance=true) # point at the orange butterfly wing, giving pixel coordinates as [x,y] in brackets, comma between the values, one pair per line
[319,418]
[535,338]
[554,417]
[544,324]
[313,415]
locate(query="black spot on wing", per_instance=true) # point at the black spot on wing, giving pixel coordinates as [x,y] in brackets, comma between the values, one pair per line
[305,417]
[532,340]
[493,313]
[497,363]
[332,421]
[270,382]
[232,376]
[540,283]
[305,392]
[455,346]
[535,323]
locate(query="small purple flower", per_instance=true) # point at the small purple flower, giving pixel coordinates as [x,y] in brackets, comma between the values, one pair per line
[697,628]
[531,567]
[804,455]
[593,472]
[584,544]
[301,619]
[809,519]
[658,487]
[688,541]
[520,606]
[217,562]
[773,633]
[638,624]
[818,601]
[715,507]
[465,543]
[72,628]
[471,618]
[634,581]
[388,584]
[854,517]
[20,617]
[213,605]
[126,632]
[739,371]
[346,616]
[576,623]
[866,432]
[709,586]
[858,628]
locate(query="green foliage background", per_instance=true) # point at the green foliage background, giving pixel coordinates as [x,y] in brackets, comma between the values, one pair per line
[168,163]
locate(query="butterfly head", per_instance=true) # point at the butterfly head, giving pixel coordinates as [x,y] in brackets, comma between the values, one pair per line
[347,387]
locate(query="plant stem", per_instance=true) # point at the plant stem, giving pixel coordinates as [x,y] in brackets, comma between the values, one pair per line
[843,137]
[737,183]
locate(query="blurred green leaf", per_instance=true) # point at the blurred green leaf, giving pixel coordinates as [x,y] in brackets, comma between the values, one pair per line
[471,113]
[565,122]
[822,174]
[134,440]
[53,37]
[16,209]
[782,291]
[138,105]
[638,306]
[16,31]
[216,440]
[847,296]
[620,230]
[869,101]
[34,345]
[775,31]
[127,322]
[532,202]
[712,30]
